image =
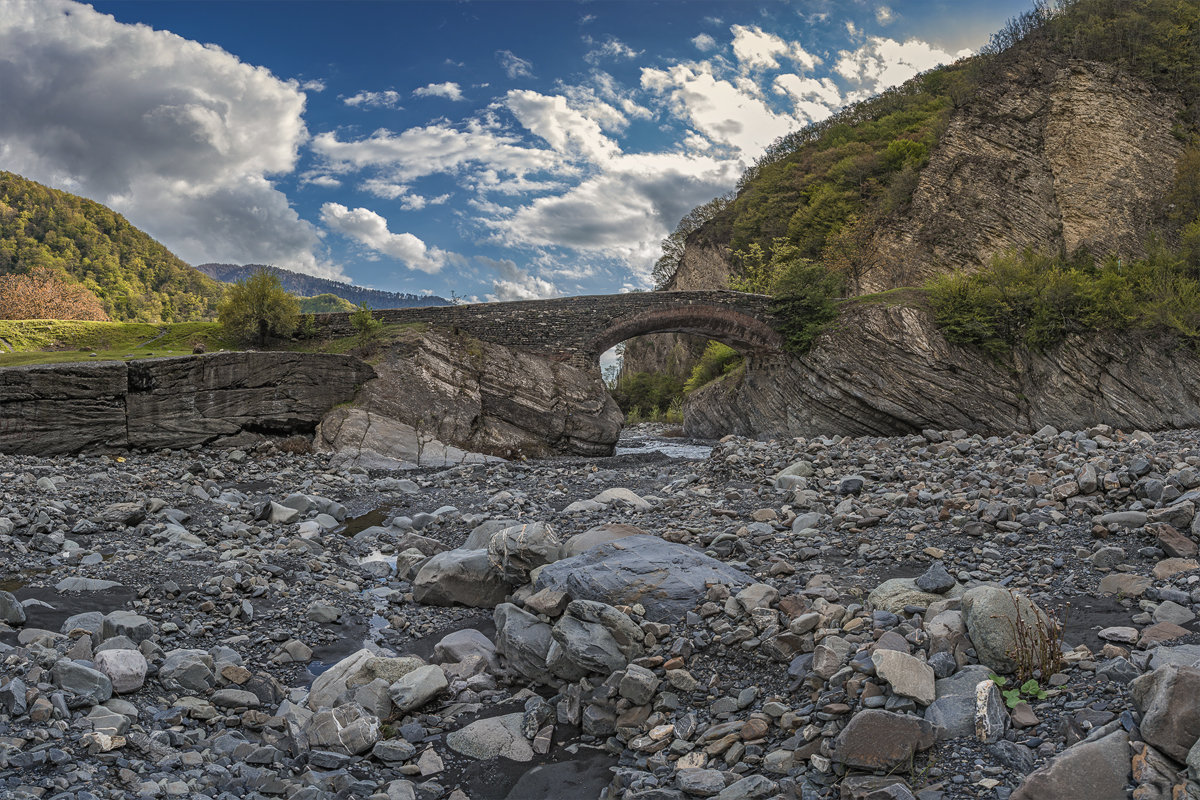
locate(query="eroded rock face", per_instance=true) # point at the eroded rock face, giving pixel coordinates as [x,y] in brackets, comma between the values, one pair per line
[887,370]
[169,402]
[479,398]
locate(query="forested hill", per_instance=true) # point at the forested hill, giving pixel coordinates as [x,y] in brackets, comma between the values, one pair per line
[134,277]
[308,286]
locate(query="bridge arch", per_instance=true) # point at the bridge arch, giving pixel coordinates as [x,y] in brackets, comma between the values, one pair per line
[741,331]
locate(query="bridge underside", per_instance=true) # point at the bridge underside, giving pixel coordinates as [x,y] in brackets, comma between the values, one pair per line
[740,331]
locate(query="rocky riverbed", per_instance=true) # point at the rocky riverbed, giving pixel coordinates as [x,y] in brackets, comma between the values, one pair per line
[809,618]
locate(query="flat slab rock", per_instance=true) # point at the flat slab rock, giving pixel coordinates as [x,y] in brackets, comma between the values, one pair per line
[668,579]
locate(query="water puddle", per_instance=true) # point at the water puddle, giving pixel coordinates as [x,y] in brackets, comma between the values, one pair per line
[53,608]
[355,525]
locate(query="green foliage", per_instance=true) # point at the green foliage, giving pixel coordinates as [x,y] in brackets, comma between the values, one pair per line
[258,307]
[324,304]
[647,393]
[52,341]
[718,360]
[1028,691]
[364,323]
[135,277]
[1036,301]
[805,292]
[672,246]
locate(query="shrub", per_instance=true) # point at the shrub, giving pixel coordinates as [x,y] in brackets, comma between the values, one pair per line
[258,307]
[364,323]
[44,294]
[717,360]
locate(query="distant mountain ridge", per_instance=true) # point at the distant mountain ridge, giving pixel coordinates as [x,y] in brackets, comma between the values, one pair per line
[307,286]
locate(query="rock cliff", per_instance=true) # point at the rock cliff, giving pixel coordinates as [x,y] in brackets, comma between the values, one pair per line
[887,370]
[169,402]
[437,390]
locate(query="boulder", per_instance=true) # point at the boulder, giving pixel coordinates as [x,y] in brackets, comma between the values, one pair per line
[908,676]
[417,688]
[347,729]
[524,641]
[667,579]
[1088,770]
[492,738]
[187,671]
[461,644]
[460,577]
[881,740]
[514,552]
[601,534]
[125,668]
[1169,700]
[11,610]
[592,637]
[90,686]
[330,685]
[994,618]
[893,595]
[134,627]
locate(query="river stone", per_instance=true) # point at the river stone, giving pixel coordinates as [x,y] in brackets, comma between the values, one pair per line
[881,740]
[935,580]
[954,715]
[331,684]
[667,579]
[125,623]
[514,552]
[482,533]
[992,616]
[1125,584]
[1169,700]
[587,645]
[601,534]
[187,671]
[461,644]
[387,669]
[90,685]
[1096,770]
[417,687]
[347,729]
[460,577]
[125,668]
[524,641]
[492,738]
[893,595]
[11,610]
[908,676]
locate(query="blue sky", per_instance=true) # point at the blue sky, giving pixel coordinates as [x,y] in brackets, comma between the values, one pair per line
[493,150]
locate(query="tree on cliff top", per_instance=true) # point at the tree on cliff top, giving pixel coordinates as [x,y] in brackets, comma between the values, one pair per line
[258,307]
[44,294]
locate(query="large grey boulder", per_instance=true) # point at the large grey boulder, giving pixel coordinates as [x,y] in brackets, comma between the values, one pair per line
[668,579]
[187,671]
[90,686]
[881,740]
[125,668]
[492,738]
[347,729]
[330,685]
[592,637]
[460,577]
[11,610]
[1095,770]
[462,644]
[995,617]
[893,595]
[134,627]
[524,641]
[418,687]
[601,534]
[1169,700]
[515,551]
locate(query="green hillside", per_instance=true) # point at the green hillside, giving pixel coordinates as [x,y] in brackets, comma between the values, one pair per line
[135,277]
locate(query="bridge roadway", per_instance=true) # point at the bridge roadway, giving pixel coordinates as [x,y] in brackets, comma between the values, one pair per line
[580,329]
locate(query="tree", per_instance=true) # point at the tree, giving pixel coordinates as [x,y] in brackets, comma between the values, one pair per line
[44,294]
[259,307]
[672,246]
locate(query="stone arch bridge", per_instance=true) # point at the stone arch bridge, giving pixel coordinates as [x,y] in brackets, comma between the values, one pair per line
[580,329]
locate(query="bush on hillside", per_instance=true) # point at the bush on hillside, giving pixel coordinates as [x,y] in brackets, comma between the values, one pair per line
[258,307]
[717,361]
[44,294]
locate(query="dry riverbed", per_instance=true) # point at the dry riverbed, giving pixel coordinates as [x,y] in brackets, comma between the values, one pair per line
[799,619]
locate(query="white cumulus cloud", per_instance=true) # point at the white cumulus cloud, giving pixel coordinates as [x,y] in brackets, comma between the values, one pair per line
[756,49]
[369,229]
[448,90]
[610,50]
[388,98]
[703,42]
[881,62]
[513,65]
[181,138]
[513,283]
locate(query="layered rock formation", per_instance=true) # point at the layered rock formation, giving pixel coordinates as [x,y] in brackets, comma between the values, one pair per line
[437,389]
[169,402]
[887,370]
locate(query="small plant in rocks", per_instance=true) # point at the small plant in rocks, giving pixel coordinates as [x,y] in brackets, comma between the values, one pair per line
[1028,691]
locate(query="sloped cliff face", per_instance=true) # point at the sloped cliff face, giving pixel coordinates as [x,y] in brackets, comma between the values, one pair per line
[886,371]
[1052,156]
[1049,155]
[438,390]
